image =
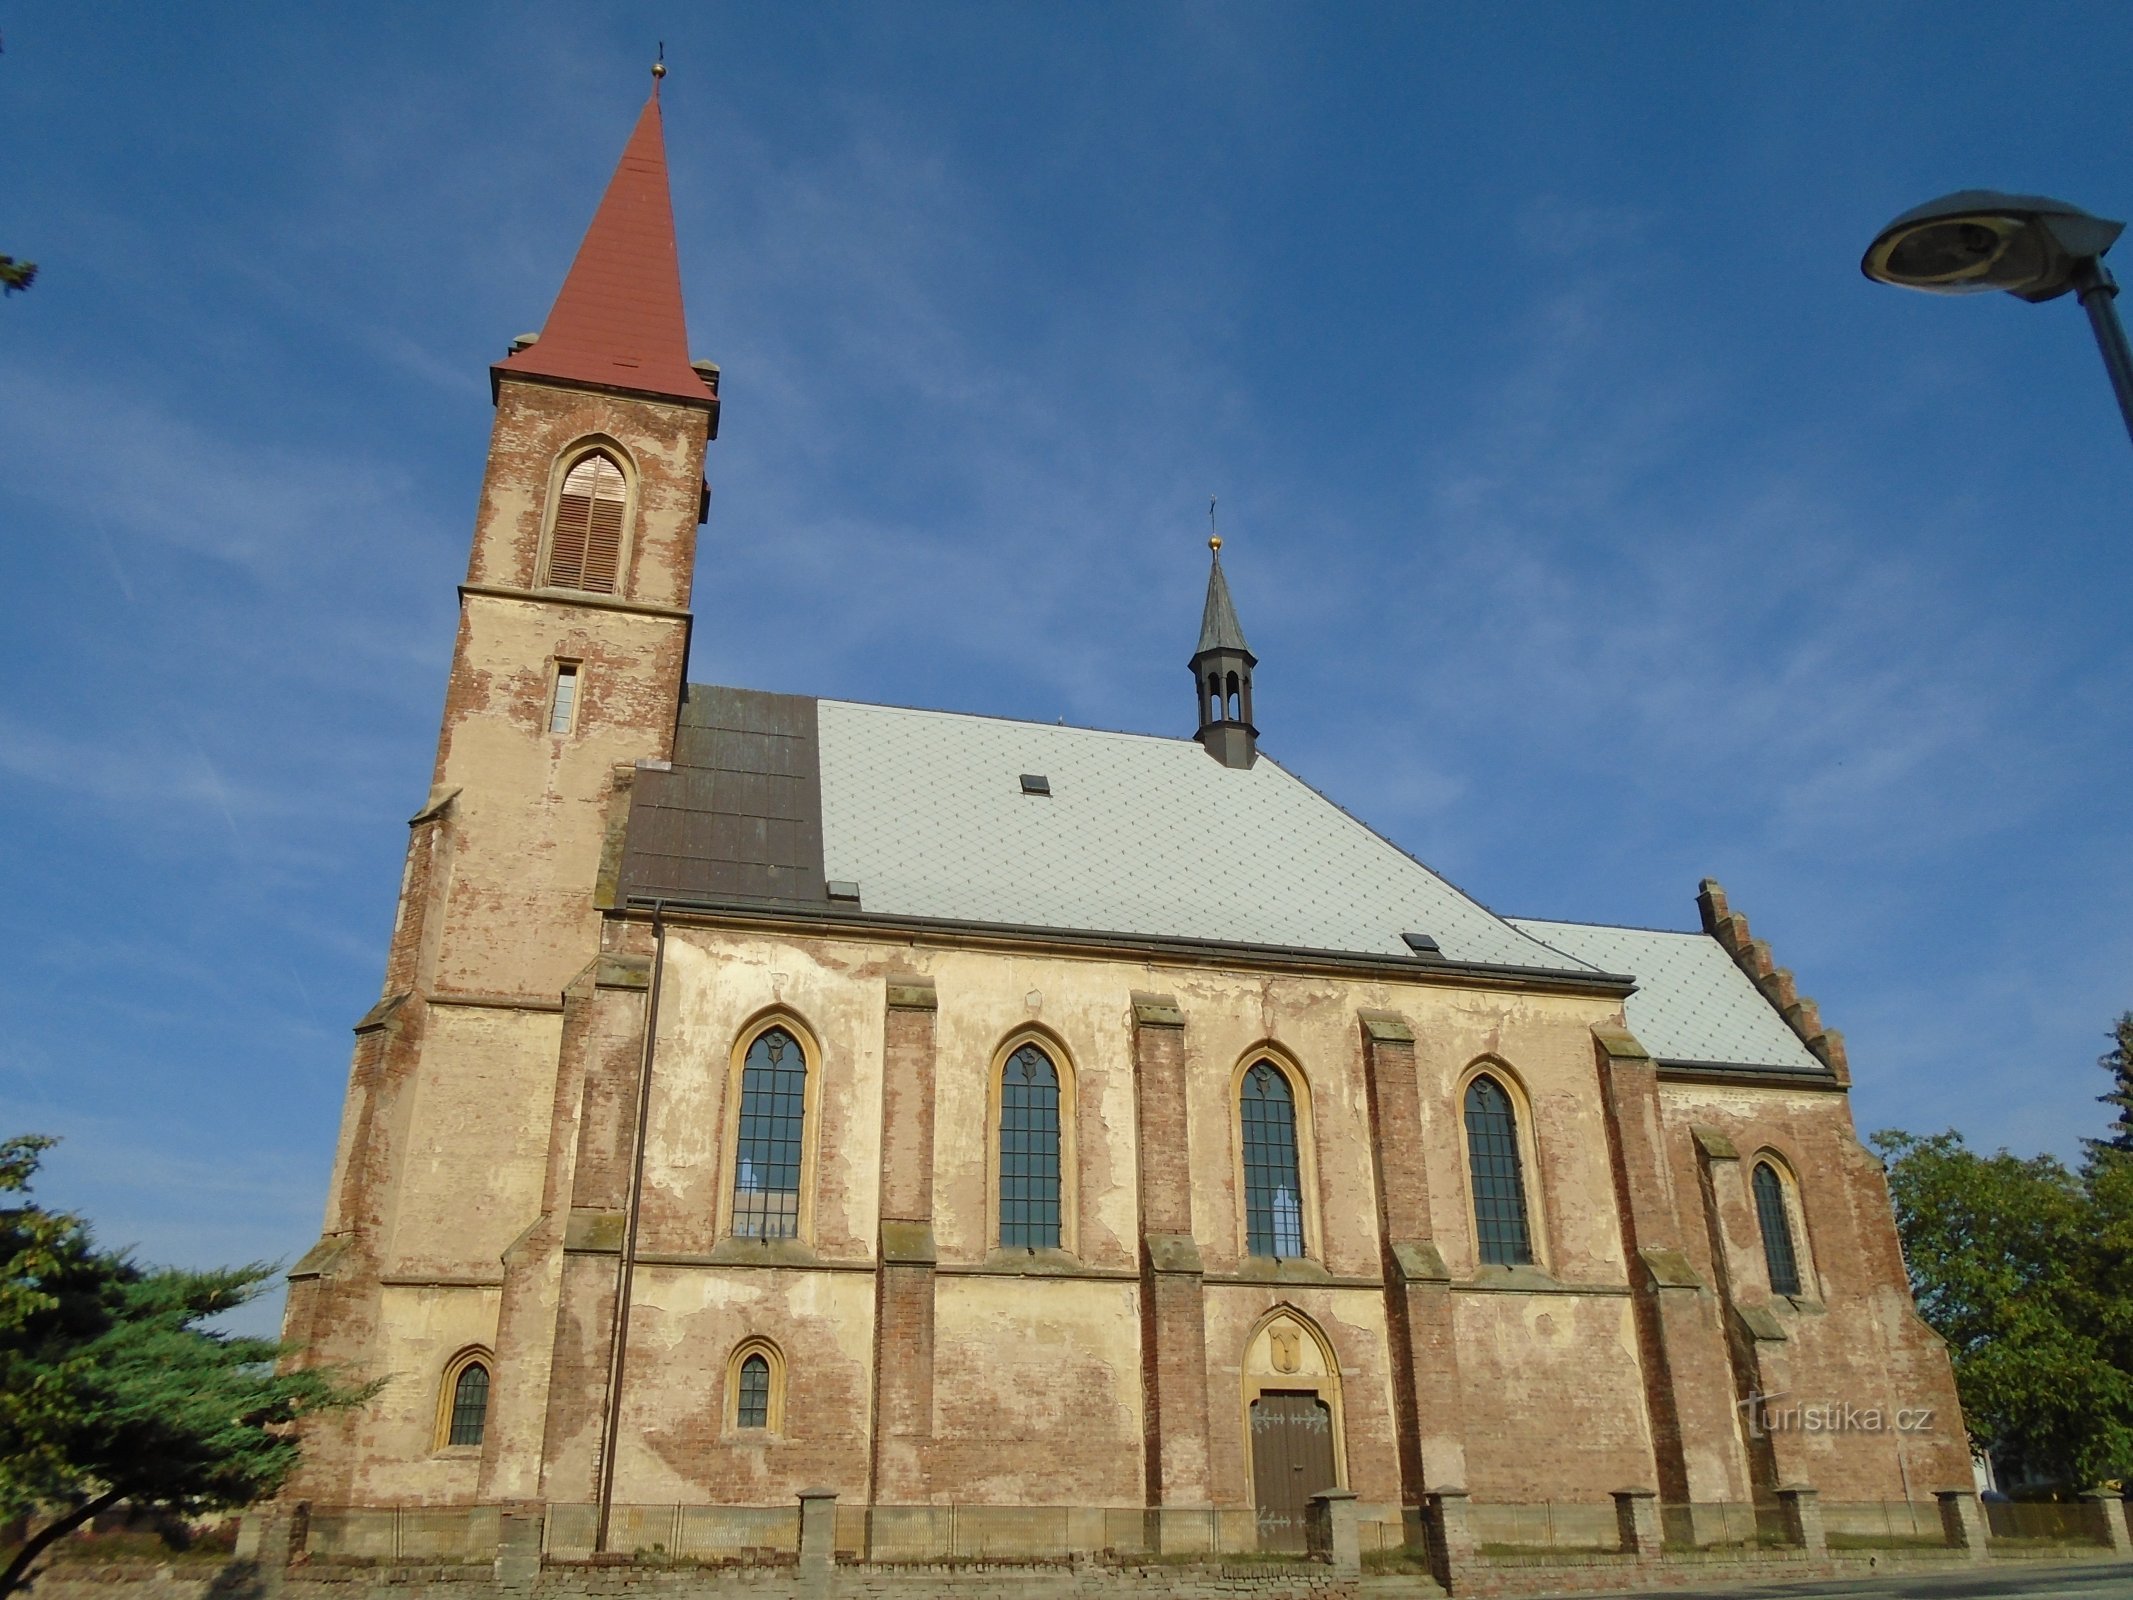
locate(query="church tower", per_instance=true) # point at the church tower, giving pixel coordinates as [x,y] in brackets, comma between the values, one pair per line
[566,677]
[1222,673]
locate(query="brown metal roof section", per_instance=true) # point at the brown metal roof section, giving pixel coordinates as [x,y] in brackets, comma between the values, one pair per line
[738,819]
[618,321]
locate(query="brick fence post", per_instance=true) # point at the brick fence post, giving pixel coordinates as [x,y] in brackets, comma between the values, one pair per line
[518,1544]
[2113,1511]
[1637,1523]
[1803,1519]
[1452,1553]
[818,1540]
[271,1537]
[1962,1521]
[1331,1529]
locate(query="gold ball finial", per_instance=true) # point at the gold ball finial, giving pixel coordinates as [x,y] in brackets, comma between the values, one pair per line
[1214,543]
[659,69]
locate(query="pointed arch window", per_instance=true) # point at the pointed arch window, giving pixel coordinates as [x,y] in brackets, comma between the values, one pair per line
[1029,1151]
[585,548]
[1773,1216]
[766,1177]
[1498,1173]
[752,1409]
[464,1401]
[755,1388]
[1273,1185]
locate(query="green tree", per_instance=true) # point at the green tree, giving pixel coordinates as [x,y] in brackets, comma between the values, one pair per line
[2020,1265]
[16,276]
[112,1389]
[2118,1062]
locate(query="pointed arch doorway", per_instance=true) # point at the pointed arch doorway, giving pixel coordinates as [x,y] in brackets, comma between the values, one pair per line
[1293,1424]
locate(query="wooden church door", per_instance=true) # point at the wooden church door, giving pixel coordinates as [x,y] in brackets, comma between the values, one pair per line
[1292,1459]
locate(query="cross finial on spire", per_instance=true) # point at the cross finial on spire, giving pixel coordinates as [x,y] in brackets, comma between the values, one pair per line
[1214,534]
[659,68]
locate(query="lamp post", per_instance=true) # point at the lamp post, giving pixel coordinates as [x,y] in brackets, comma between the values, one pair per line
[1976,240]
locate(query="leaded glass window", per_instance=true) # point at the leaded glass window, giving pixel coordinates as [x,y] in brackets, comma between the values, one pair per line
[1273,1191]
[766,1177]
[1029,1151]
[1498,1175]
[470,1404]
[1776,1223]
[753,1407]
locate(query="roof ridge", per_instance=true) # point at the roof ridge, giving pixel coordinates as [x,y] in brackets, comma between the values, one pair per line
[1619,927]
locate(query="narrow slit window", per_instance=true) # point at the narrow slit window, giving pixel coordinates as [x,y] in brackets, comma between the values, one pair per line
[585,550]
[470,1405]
[766,1182]
[563,705]
[1770,1214]
[753,1408]
[1273,1186]
[1029,1151]
[1498,1174]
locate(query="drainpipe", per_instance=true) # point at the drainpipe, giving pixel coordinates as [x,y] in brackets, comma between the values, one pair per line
[626,1271]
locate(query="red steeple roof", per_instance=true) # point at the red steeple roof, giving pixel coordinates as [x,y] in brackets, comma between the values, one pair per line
[618,321]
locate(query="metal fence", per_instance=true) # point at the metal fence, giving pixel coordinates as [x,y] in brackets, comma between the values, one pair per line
[441,1535]
[1883,1525]
[2046,1522]
[1541,1532]
[747,1534]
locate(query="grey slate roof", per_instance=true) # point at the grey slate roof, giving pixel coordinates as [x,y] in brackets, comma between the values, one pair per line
[1692,1003]
[773,797]
[1219,627]
[1140,835]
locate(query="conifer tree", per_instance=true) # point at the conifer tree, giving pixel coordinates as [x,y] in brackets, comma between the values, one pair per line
[111,1388]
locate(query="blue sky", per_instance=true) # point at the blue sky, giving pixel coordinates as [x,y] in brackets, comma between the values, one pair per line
[1597,526]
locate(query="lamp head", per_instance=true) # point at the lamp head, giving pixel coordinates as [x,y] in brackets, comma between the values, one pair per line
[1978,240]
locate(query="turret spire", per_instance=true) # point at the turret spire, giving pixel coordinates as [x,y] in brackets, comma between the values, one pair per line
[618,321]
[1222,671]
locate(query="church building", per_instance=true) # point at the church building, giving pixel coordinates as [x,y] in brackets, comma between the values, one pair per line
[771,1093]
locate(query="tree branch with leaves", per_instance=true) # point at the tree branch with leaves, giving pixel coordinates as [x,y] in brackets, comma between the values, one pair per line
[113,1388]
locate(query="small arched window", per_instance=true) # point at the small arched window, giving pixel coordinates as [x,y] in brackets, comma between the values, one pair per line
[468,1417]
[1273,1187]
[585,549]
[755,1388]
[1029,1151]
[766,1176]
[752,1406]
[1775,1220]
[1498,1175]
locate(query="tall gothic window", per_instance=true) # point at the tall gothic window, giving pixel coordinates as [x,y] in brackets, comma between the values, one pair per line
[1498,1175]
[1029,1151]
[1273,1190]
[470,1405]
[752,1409]
[585,550]
[1770,1213]
[766,1177]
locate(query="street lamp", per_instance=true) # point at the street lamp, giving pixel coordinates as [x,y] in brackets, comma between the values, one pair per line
[1975,241]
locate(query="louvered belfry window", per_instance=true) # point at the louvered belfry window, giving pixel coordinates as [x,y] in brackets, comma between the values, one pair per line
[585,551]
